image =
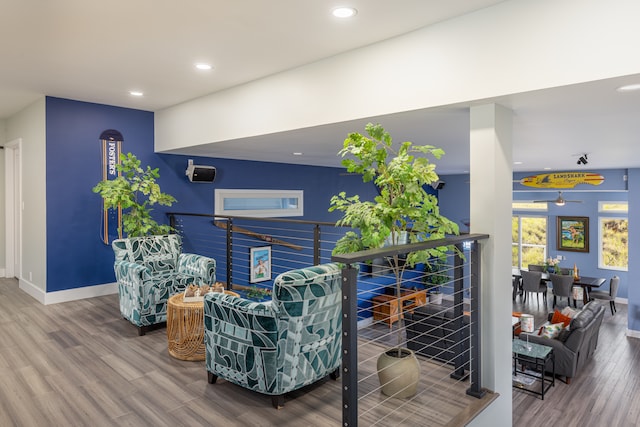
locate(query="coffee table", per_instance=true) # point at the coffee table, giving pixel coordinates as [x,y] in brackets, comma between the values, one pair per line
[536,356]
[185,328]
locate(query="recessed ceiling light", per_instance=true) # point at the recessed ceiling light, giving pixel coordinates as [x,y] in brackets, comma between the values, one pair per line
[297,153]
[135,93]
[344,12]
[203,66]
[629,88]
[547,168]
[517,163]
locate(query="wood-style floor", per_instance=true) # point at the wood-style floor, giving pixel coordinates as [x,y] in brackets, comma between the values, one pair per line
[605,393]
[79,364]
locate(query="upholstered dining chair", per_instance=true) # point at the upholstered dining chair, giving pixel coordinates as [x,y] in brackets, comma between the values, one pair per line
[515,284]
[561,287]
[281,345]
[535,267]
[532,282]
[608,295]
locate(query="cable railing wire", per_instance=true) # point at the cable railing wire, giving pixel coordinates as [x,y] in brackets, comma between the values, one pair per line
[445,352]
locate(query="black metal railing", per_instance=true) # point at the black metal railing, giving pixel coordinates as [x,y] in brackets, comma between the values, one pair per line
[444,336]
[462,359]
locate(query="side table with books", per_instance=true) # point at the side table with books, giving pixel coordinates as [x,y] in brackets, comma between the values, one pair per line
[529,361]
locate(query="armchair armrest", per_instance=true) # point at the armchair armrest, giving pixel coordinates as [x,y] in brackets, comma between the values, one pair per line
[199,266]
[131,275]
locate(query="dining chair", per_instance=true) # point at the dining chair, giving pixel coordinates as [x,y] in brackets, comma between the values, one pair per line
[561,287]
[516,285]
[535,267]
[532,282]
[610,295]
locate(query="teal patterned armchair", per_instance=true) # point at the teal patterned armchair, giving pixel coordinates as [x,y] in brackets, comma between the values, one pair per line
[281,345]
[149,270]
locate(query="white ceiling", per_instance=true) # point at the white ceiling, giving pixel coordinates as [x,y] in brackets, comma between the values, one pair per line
[99,51]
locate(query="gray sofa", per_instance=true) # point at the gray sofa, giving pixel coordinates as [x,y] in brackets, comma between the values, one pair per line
[573,348]
[434,331]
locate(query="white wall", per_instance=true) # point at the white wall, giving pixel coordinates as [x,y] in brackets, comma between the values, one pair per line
[29,125]
[3,141]
[490,213]
[515,46]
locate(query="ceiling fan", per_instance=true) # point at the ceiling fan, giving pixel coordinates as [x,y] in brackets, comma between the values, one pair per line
[560,201]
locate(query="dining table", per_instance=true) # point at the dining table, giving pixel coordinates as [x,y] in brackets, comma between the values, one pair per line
[585,282]
[588,283]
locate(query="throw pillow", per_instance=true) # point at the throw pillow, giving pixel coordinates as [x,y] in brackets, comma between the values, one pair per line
[568,311]
[558,317]
[552,331]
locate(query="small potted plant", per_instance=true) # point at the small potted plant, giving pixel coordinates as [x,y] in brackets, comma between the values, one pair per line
[552,265]
[435,276]
[258,293]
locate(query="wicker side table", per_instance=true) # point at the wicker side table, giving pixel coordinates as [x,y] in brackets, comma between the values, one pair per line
[185,328]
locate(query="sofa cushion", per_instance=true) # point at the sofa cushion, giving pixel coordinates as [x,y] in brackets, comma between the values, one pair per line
[585,316]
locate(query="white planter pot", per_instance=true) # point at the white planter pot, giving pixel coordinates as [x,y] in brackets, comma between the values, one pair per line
[399,376]
[435,298]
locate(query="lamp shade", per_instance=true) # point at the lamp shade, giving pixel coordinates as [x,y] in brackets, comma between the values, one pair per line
[526,323]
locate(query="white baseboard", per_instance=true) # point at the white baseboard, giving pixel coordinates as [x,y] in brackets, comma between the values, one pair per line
[633,334]
[32,290]
[66,295]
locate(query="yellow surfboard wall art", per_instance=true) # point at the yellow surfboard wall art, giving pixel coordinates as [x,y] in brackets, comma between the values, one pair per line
[562,179]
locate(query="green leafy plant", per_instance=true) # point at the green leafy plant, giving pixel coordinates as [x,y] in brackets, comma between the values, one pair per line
[135,190]
[403,206]
[256,292]
[436,274]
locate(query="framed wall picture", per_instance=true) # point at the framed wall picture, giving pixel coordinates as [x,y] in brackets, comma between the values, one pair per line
[573,233]
[260,264]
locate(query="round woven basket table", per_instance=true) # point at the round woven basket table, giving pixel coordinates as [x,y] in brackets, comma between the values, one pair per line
[185,328]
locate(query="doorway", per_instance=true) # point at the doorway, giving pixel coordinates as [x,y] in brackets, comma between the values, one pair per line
[13,208]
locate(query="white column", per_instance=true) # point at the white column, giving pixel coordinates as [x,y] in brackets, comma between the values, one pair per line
[490,213]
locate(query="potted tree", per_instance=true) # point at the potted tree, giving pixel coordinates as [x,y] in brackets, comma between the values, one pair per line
[403,211]
[135,190]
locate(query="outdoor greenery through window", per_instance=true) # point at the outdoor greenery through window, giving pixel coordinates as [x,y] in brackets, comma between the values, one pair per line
[529,240]
[613,250]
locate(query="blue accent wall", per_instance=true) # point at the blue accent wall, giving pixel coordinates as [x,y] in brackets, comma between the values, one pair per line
[76,255]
